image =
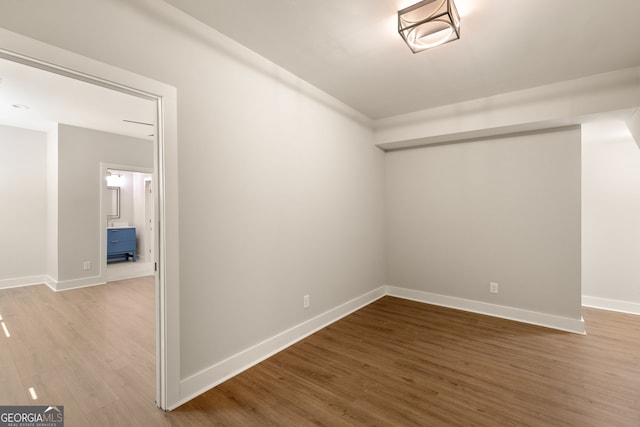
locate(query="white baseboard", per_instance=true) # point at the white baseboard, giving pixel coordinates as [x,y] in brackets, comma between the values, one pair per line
[212,376]
[50,282]
[133,270]
[519,315]
[611,304]
[22,281]
[66,285]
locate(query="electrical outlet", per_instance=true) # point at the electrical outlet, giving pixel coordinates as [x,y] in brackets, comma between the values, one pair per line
[305,301]
[493,288]
[87,265]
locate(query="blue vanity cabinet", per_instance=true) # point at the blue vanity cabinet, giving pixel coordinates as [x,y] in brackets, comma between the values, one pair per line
[121,244]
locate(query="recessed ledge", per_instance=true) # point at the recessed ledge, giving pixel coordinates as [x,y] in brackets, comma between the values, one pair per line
[479,135]
[614,94]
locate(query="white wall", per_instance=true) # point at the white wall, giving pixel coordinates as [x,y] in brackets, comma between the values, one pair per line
[503,210]
[633,124]
[611,221]
[80,152]
[23,205]
[280,196]
[50,187]
[52,206]
[281,190]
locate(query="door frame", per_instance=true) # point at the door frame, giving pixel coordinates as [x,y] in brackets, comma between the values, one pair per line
[17,48]
[149,218]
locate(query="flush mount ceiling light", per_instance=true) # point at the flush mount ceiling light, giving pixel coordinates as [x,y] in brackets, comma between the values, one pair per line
[114,180]
[428,24]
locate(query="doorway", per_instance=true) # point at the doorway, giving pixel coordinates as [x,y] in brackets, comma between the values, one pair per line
[610,210]
[163,103]
[128,207]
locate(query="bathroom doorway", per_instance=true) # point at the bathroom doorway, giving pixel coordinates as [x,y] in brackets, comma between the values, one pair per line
[129,211]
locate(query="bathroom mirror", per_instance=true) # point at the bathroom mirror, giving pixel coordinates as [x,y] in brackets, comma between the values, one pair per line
[113,211]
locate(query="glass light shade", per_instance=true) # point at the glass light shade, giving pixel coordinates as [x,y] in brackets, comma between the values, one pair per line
[428,24]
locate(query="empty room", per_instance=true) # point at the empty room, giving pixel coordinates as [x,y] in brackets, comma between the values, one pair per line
[363,212]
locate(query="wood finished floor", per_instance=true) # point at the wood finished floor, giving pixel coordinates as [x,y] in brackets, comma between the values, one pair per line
[394,362]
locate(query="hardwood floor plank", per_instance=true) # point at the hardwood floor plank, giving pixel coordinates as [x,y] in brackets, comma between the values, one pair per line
[83,348]
[394,362]
[403,362]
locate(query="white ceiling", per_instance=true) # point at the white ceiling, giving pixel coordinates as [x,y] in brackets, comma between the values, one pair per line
[53,98]
[351,48]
